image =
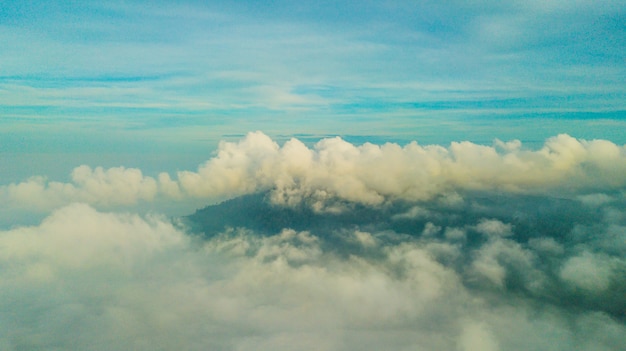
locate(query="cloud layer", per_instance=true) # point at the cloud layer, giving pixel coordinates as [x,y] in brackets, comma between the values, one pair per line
[339,247]
[84,279]
[335,170]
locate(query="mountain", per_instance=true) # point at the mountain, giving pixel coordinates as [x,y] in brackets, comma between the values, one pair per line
[531,216]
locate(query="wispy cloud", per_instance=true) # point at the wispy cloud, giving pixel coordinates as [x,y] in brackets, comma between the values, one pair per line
[531,52]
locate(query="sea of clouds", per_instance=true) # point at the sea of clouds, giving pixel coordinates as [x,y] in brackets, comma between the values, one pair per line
[335,169]
[442,264]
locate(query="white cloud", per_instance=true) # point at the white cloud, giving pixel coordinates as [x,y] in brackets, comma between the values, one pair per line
[413,213]
[494,228]
[455,234]
[364,238]
[546,246]
[370,174]
[501,258]
[475,336]
[110,187]
[595,200]
[77,236]
[588,271]
[84,279]
[114,185]
[335,170]
[430,229]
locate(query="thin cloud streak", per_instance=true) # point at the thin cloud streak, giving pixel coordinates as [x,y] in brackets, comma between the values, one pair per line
[533,50]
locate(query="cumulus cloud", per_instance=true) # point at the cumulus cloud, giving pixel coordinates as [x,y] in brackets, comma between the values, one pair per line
[499,258]
[587,271]
[493,227]
[343,247]
[86,279]
[334,170]
[113,186]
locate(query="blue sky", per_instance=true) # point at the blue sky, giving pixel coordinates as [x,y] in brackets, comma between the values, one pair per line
[87,80]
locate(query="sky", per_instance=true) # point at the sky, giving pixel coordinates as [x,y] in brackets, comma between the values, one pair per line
[434,175]
[157,84]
